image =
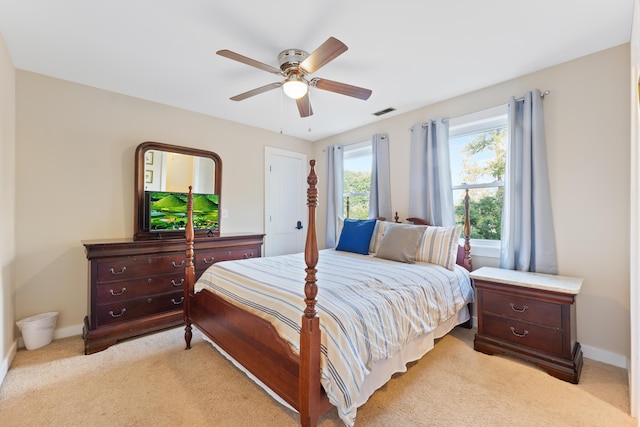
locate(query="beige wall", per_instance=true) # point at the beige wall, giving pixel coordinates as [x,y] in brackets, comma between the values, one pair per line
[587,130]
[75,171]
[75,148]
[7,217]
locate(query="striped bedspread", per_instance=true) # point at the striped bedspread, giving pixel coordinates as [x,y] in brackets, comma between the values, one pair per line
[368,307]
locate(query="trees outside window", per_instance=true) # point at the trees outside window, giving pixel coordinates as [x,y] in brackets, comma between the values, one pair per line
[357,180]
[478,164]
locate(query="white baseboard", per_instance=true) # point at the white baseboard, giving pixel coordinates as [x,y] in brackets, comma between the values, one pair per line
[6,362]
[69,331]
[605,356]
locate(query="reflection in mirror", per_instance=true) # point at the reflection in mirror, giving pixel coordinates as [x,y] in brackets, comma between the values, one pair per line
[173,169]
[167,171]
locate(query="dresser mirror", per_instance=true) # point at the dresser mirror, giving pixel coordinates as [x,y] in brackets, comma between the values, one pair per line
[163,174]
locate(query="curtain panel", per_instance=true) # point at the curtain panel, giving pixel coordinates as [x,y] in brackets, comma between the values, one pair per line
[380,190]
[430,192]
[335,179]
[528,237]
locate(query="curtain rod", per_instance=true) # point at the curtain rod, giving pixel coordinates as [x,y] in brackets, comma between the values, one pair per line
[542,95]
[425,124]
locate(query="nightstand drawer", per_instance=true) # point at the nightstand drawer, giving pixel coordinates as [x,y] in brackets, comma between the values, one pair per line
[522,308]
[523,333]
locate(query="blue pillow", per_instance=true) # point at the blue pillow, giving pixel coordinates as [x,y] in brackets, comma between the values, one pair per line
[356,235]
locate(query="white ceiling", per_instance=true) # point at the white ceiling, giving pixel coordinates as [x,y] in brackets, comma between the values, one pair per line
[411,53]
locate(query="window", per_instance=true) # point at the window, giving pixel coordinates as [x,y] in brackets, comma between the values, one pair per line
[478,144]
[357,180]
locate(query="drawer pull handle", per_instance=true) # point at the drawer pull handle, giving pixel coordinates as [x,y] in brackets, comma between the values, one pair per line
[177,265]
[117,293]
[173,282]
[112,271]
[522,335]
[209,261]
[173,300]
[513,307]
[249,255]
[112,314]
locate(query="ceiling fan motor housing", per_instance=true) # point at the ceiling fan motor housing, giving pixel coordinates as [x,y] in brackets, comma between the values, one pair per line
[290,60]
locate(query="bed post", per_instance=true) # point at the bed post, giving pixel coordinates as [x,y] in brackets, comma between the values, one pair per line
[467,232]
[310,388]
[189,271]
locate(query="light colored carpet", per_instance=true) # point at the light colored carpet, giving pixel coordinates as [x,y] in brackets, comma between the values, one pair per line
[153,381]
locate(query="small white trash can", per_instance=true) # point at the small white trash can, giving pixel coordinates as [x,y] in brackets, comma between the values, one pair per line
[37,331]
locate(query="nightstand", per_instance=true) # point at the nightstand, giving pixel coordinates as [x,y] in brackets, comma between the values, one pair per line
[531,316]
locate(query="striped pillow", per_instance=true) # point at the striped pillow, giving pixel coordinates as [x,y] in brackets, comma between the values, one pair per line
[439,246]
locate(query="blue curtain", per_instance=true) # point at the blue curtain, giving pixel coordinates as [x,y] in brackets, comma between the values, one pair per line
[528,238]
[380,190]
[430,192]
[335,172]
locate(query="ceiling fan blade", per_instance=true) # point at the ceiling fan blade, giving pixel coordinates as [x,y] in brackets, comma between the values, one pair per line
[304,106]
[245,60]
[327,51]
[341,88]
[256,91]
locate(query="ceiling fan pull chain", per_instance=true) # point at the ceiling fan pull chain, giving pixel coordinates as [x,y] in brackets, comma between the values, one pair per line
[309,95]
[281,112]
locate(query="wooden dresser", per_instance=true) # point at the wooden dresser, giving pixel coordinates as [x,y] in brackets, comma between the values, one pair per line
[135,287]
[531,316]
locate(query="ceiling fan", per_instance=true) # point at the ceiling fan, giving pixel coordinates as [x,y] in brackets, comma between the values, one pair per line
[295,67]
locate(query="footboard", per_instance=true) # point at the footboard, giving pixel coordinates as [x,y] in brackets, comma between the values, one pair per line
[253,342]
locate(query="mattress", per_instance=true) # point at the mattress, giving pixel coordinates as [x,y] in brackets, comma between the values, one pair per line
[372,311]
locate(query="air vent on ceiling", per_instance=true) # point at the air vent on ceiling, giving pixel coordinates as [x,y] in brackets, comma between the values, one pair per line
[385,111]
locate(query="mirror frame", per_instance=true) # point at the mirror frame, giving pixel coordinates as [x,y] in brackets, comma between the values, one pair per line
[138,208]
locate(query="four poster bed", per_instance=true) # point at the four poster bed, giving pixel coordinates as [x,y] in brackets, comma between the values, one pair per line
[376,315]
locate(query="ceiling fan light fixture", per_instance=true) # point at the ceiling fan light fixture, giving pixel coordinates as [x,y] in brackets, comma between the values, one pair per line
[296,66]
[295,86]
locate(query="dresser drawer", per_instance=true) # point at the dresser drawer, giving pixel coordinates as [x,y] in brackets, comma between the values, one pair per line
[135,288]
[130,267]
[522,333]
[137,308]
[203,259]
[522,308]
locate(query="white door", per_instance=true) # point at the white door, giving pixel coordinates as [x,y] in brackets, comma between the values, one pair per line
[285,202]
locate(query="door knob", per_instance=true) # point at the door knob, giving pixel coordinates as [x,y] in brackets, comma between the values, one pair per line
[299,225]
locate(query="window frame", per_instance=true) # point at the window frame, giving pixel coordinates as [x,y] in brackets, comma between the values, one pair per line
[475,123]
[354,151]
